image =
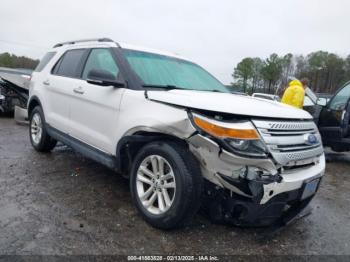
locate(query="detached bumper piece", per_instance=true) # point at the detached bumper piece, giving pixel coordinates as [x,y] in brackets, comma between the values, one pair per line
[224,207]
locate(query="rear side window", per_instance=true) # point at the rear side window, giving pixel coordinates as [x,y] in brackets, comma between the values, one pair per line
[44,61]
[100,59]
[70,64]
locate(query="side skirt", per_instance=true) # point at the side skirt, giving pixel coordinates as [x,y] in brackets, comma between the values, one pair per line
[86,150]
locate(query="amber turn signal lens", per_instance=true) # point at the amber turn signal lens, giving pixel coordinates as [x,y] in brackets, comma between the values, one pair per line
[220,131]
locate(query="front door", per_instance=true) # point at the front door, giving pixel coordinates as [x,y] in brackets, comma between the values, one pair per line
[334,118]
[95,109]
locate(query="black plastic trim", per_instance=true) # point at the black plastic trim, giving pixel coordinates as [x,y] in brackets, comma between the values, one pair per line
[33,98]
[86,150]
[104,39]
[131,78]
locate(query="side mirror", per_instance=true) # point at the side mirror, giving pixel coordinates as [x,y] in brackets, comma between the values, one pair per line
[103,78]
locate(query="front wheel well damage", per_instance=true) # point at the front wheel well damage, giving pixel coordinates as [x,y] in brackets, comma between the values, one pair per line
[32,104]
[129,146]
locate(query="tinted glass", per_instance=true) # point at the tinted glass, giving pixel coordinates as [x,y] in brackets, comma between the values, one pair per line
[161,70]
[44,61]
[70,62]
[341,98]
[100,59]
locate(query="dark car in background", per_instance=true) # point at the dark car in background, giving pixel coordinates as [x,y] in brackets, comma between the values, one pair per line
[333,120]
[331,113]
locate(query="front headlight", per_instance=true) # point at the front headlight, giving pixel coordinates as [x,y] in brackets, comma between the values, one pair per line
[239,137]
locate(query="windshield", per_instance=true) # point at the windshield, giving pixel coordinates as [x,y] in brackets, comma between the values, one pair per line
[161,71]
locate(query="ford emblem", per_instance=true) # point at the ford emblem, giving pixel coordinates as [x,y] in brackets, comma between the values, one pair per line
[310,139]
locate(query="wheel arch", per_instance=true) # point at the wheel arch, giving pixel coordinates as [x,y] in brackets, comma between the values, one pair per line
[129,146]
[33,102]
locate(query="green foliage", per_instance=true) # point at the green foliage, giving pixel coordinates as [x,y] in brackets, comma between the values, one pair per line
[244,71]
[13,61]
[248,73]
[272,70]
[347,66]
[258,65]
[326,72]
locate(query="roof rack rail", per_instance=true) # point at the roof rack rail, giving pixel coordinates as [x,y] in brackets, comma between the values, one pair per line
[105,39]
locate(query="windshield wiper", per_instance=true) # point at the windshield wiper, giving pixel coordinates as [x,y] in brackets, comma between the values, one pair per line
[171,87]
[168,87]
[210,90]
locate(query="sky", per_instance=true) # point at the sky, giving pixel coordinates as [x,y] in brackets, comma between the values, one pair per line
[215,34]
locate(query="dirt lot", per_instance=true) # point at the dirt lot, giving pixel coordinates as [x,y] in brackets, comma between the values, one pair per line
[62,203]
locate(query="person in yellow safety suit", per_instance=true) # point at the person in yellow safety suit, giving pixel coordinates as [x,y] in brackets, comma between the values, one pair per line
[294,94]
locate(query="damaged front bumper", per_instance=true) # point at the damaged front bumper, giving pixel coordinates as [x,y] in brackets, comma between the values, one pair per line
[253,191]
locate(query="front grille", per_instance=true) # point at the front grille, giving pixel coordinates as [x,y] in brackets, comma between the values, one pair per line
[287,141]
[292,148]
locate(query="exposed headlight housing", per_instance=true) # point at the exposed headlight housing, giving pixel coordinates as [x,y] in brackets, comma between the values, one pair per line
[239,137]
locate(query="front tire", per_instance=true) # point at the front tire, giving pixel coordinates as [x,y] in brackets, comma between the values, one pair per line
[166,184]
[39,138]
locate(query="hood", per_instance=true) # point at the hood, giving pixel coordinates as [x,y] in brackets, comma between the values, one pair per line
[228,103]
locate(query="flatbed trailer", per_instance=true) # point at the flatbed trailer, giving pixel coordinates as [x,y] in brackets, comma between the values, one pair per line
[14,89]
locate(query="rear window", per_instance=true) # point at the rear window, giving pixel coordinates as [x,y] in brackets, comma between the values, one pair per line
[70,64]
[44,61]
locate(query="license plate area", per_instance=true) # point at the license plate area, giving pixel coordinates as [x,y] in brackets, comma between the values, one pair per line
[310,188]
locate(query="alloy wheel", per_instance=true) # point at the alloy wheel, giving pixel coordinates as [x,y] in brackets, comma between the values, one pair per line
[155,184]
[36,127]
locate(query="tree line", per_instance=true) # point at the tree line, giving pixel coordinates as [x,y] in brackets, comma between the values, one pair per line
[325,71]
[13,61]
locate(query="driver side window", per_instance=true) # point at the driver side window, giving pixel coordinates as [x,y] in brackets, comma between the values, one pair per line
[100,59]
[340,100]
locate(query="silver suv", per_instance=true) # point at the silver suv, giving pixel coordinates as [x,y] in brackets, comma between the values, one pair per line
[180,135]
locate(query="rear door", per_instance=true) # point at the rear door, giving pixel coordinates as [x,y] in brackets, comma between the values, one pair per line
[94,109]
[59,86]
[334,118]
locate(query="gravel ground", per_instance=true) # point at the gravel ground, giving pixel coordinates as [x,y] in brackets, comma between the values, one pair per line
[62,203]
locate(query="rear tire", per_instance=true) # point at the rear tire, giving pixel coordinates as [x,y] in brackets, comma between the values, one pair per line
[39,138]
[170,166]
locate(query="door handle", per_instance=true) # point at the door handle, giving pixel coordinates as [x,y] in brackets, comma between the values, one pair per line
[343,115]
[78,90]
[46,82]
